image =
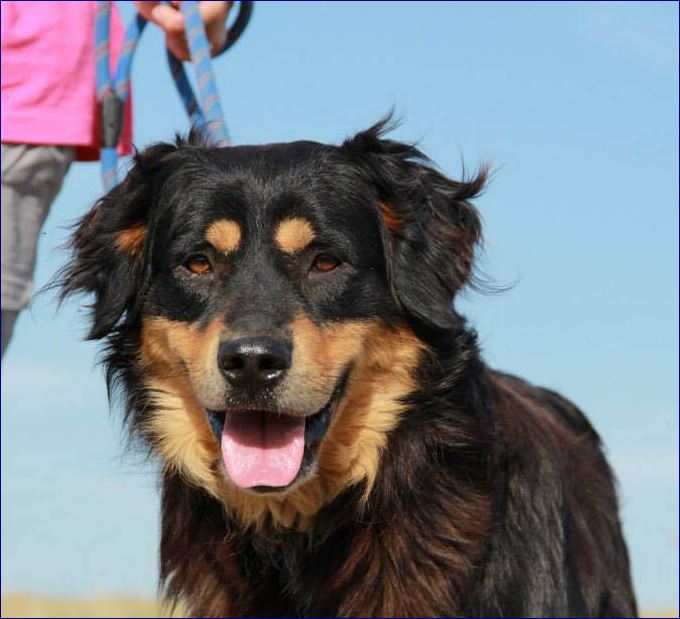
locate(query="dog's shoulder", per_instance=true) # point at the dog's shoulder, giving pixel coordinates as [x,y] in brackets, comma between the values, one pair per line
[521,400]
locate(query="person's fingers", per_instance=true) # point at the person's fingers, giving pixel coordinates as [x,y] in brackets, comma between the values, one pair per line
[168,16]
[164,15]
[214,16]
[144,8]
[171,20]
[212,12]
[177,44]
[217,41]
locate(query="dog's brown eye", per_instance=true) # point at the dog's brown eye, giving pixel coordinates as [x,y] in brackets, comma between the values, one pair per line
[325,263]
[199,265]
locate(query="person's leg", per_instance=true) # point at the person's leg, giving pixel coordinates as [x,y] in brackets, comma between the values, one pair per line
[31,178]
[8,319]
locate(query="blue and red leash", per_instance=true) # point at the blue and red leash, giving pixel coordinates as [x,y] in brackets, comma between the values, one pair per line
[112,92]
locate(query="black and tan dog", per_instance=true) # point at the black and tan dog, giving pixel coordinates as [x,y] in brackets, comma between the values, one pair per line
[280,321]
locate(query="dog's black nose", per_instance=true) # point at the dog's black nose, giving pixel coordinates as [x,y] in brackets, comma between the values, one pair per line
[254,363]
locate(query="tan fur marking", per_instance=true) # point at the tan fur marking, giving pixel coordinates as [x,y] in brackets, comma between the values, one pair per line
[130,241]
[383,360]
[177,426]
[390,218]
[293,235]
[224,235]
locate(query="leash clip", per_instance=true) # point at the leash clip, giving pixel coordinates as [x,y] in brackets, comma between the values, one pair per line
[112,119]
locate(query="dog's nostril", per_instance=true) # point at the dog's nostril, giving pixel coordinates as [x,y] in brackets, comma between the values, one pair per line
[270,362]
[235,362]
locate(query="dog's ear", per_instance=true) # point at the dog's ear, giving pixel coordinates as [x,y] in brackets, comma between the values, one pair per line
[430,229]
[109,244]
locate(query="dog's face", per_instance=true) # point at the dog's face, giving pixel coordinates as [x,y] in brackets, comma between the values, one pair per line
[269,276]
[260,302]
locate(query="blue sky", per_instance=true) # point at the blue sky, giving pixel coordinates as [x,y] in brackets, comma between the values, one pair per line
[575,105]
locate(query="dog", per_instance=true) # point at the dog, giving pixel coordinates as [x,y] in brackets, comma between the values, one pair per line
[279,320]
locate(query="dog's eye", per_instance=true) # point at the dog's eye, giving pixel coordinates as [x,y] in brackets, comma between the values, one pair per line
[324,263]
[199,265]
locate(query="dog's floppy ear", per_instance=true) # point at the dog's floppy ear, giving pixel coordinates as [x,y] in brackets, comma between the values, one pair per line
[430,228]
[109,242]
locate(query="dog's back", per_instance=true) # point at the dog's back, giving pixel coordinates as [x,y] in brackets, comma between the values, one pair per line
[561,509]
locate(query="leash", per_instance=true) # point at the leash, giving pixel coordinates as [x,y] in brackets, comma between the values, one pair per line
[112,92]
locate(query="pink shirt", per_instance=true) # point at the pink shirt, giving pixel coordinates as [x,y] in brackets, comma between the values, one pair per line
[48,75]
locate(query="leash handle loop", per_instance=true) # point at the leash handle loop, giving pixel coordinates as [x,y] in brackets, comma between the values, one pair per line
[204,112]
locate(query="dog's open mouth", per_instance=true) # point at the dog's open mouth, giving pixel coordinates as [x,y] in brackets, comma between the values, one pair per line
[268,450]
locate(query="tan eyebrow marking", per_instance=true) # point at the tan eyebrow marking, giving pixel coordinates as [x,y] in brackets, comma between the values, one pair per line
[224,235]
[294,234]
[130,241]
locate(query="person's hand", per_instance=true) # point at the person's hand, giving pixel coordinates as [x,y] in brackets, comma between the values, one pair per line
[169,17]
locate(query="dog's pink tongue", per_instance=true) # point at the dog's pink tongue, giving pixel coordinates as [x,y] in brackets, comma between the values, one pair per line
[261,449]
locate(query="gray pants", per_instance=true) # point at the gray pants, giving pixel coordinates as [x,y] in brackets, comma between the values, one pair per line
[31,178]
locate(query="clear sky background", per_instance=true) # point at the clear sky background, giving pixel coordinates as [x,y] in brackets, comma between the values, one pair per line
[576,106]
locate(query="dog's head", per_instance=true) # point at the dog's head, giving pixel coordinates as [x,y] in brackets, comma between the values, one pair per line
[260,305]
